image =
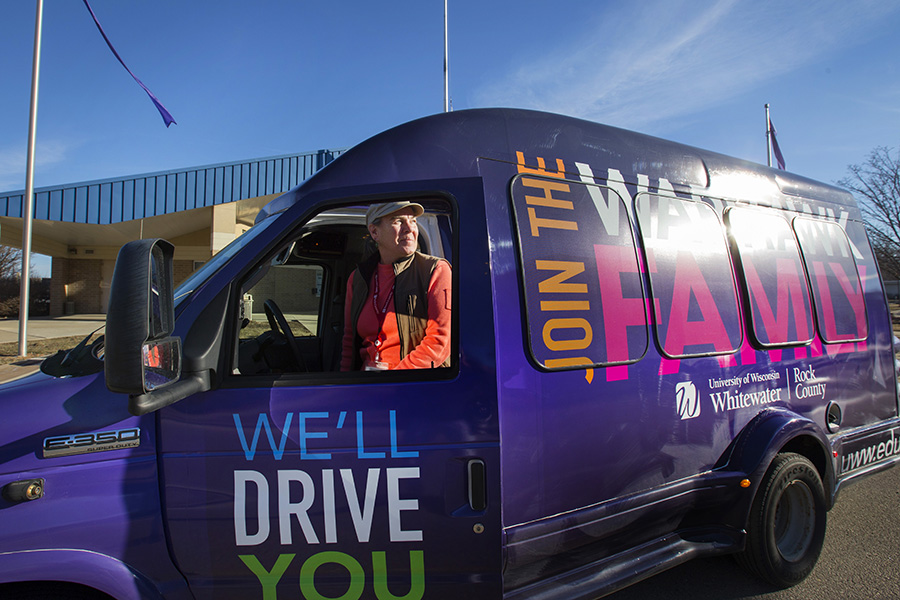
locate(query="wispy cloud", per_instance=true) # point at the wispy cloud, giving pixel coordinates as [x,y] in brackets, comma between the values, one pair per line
[12,169]
[643,63]
[13,159]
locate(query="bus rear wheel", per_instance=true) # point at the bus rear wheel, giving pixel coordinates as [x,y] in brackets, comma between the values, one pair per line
[786,529]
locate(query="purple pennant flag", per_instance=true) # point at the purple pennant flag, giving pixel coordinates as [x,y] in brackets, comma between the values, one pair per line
[779,158]
[167,118]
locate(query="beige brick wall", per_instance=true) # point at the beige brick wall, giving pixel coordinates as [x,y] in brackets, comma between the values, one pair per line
[182,268]
[75,281]
[84,285]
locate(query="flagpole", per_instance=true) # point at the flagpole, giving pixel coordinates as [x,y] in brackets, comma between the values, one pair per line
[28,198]
[768,138]
[446,64]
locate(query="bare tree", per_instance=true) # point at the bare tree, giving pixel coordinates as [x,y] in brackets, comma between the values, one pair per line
[10,290]
[876,184]
[10,262]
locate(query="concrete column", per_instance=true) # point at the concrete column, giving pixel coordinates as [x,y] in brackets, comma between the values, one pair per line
[59,277]
[222,227]
[107,268]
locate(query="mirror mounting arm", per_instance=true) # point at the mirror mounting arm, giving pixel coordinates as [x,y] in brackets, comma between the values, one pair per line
[190,383]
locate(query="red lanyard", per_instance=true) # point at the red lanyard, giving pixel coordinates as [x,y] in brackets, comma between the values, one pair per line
[380,314]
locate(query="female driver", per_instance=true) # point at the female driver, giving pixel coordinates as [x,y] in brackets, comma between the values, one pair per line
[397,311]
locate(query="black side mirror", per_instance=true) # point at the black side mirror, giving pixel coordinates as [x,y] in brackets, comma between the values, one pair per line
[141,355]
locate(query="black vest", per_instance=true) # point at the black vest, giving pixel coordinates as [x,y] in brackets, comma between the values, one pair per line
[412,275]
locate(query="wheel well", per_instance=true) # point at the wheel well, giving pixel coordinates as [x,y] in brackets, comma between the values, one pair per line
[50,590]
[810,448]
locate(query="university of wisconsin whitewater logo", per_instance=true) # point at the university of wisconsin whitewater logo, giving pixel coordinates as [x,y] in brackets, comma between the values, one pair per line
[687,401]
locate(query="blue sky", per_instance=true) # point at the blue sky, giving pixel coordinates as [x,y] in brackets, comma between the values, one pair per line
[247,80]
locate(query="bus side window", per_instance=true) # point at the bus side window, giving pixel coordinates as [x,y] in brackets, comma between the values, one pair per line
[585,304]
[773,277]
[295,290]
[300,288]
[834,279]
[691,278]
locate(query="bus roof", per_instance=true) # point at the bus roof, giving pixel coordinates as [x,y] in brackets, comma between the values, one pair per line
[449,145]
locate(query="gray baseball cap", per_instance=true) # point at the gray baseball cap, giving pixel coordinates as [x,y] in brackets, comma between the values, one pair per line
[377,211]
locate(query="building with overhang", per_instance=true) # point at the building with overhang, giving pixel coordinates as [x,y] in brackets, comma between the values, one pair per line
[81,226]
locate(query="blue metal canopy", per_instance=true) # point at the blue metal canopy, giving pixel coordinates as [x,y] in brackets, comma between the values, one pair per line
[108,201]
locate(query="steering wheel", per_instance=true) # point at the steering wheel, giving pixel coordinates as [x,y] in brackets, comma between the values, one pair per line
[278,322]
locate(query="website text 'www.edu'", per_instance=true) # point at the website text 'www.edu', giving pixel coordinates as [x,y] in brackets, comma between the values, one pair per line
[871,454]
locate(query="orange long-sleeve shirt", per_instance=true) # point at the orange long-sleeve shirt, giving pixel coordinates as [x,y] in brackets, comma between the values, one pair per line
[434,348]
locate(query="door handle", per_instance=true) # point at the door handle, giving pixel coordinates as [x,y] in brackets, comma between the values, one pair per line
[477,485]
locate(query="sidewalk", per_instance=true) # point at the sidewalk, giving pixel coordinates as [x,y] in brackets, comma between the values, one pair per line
[42,328]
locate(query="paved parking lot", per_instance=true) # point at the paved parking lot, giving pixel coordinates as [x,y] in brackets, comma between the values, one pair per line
[51,327]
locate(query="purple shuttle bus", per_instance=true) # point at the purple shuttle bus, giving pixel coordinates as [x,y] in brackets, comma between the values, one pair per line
[658,353]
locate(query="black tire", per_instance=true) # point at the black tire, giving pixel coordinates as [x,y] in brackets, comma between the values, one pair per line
[786,528]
